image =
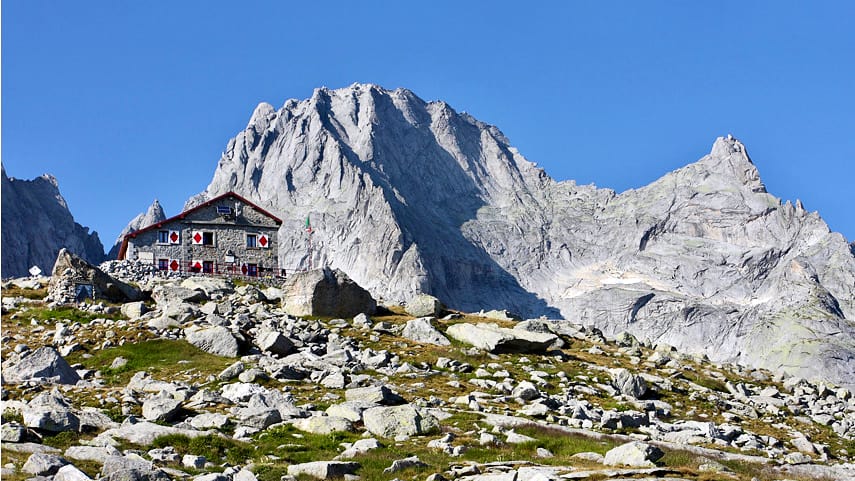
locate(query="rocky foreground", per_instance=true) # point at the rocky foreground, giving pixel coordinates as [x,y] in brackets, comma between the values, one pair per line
[211,379]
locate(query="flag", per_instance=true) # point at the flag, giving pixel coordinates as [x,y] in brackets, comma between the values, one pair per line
[308,225]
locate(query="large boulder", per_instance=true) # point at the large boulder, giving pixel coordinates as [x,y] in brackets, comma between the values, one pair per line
[213,287]
[44,364]
[323,469]
[421,330]
[326,293]
[215,340]
[49,411]
[635,454]
[43,464]
[162,407]
[492,338]
[394,421]
[424,305]
[628,383]
[323,424]
[70,272]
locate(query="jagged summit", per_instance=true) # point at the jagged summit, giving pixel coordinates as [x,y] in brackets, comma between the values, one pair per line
[152,215]
[411,196]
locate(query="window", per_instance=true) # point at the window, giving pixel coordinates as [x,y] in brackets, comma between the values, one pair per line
[252,270]
[252,240]
[208,267]
[163,237]
[207,238]
[163,264]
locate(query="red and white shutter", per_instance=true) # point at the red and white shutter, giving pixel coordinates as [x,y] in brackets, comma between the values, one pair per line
[263,241]
[174,237]
[197,238]
[196,264]
[174,265]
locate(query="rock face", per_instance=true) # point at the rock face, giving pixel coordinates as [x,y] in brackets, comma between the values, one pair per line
[153,215]
[36,224]
[410,196]
[326,292]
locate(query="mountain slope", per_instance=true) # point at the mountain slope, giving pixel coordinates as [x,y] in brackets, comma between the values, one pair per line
[36,224]
[408,196]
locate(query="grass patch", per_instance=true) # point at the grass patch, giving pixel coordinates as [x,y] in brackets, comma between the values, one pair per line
[67,313]
[214,448]
[33,294]
[302,448]
[159,357]
[707,382]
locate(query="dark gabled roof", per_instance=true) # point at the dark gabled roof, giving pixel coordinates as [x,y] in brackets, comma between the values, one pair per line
[157,225]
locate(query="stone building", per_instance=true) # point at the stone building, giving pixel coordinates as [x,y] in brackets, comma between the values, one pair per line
[226,235]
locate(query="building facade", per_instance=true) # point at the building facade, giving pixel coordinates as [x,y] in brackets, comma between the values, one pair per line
[227,235]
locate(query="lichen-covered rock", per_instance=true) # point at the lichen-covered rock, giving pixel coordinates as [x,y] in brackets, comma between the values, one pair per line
[323,424]
[394,421]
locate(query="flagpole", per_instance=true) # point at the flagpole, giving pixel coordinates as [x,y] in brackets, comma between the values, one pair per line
[309,230]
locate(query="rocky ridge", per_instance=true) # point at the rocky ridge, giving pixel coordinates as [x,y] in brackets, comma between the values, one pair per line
[566,403]
[37,224]
[410,196]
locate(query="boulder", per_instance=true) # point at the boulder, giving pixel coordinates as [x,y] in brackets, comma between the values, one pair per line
[171,294]
[405,463]
[373,395]
[635,454]
[43,464]
[350,410]
[495,339]
[274,343]
[98,454]
[421,330]
[134,310]
[326,293]
[323,469]
[406,420]
[43,364]
[627,383]
[12,433]
[70,473]
[212,287]
[425,305]
[215,340]
[131,468]
[49,411]
[70,271]
[162,407]
[323,424]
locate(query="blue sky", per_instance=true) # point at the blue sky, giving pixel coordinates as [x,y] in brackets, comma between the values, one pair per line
[125,102]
